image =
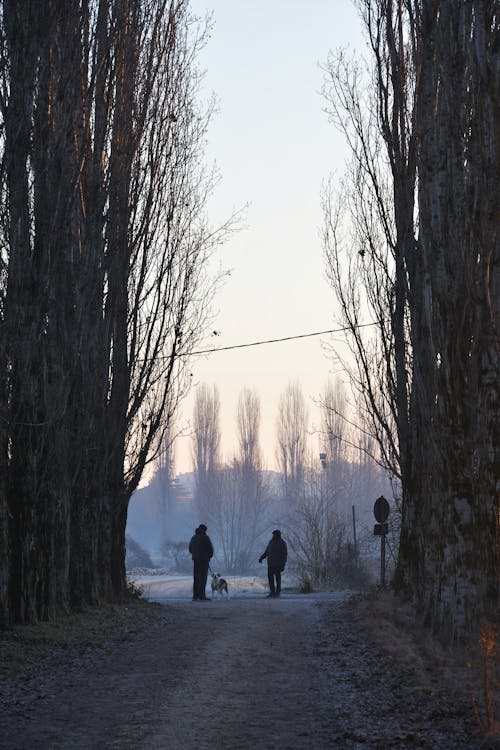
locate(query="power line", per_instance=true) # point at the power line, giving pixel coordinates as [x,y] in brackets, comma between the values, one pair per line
[284,338]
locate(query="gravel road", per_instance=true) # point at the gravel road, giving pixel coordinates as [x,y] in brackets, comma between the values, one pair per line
[300,672]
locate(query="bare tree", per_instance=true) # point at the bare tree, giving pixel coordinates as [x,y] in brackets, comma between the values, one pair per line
[316,521]
[334,438]
[248,422]
[253,491]
[165,467]
[317,534]
[291,437]
[454,561]
[206,444]
[242,496]
[103,283]
[365,264]
[333,420]
[423,247]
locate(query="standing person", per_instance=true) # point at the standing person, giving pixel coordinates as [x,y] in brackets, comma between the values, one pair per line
[276,553]
[202,551]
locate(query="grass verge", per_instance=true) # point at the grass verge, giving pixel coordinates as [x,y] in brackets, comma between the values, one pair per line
[94,627]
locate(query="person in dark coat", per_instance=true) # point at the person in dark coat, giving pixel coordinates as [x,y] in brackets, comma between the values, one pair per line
[276,553]
[202,551]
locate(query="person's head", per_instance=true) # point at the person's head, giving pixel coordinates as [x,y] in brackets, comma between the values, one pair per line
[276,534]
[202,528]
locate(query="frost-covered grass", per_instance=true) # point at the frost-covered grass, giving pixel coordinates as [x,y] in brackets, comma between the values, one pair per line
[156,587]
[161,588]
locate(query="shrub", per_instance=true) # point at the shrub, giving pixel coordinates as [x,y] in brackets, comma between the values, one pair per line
[136,556]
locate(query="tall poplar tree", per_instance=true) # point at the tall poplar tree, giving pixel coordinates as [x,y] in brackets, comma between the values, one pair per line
[424,210]
[103,284]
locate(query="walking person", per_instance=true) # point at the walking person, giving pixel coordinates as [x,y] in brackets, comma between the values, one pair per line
[202,551]
[276,553]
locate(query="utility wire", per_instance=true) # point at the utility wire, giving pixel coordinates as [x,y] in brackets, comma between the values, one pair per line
[277,341]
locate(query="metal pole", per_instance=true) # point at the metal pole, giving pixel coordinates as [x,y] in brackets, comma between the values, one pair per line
[355,540]
[382,560]
[354,532]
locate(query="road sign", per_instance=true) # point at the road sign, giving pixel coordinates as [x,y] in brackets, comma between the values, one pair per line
[381,509]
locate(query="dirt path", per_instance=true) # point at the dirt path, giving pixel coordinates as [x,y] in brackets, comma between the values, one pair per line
[242,674]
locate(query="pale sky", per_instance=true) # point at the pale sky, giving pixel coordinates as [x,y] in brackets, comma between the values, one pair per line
[274,147]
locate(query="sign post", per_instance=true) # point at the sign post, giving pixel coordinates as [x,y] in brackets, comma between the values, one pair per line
[381,511]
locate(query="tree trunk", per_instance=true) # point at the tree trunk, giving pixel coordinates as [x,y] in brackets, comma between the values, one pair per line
[455,507]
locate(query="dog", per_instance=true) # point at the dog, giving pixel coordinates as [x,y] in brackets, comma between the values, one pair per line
[219,585]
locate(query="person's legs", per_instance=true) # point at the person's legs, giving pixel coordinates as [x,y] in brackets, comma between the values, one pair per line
[195,580]
[203,581]
[277,573]
[270,578]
